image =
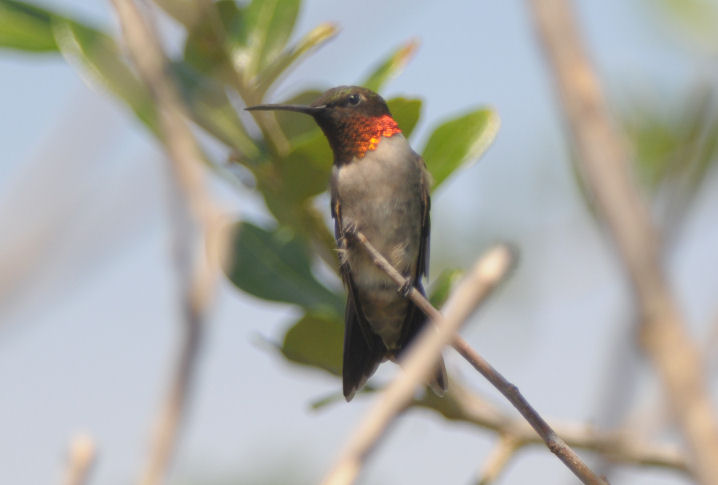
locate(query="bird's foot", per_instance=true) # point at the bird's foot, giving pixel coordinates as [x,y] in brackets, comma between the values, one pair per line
[405,288]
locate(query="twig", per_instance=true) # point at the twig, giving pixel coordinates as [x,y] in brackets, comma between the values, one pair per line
[605,165]
[498,459]
[510,391]
[198,238]
[620,446]
[80,460]
[420,361]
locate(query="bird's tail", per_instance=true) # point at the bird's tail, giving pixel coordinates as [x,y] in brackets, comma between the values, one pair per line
[362,353]
[415,321]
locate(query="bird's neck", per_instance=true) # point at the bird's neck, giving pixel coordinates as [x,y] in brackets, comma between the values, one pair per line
[359,135]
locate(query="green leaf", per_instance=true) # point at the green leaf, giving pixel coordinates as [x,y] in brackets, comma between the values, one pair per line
[183,11]
[206,48]
[26,27]
[656,141]
[98,54]
[391,67]
[442,286]
[313,40]
[406,113]
[315,341]
[296,125]
[459,141]
[211,109]
[267,26]
[275,265]
[307,168]
[675,145]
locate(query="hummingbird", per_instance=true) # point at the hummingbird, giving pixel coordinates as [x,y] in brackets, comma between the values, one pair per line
[379,186]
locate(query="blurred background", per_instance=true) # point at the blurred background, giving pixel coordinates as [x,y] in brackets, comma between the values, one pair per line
[89,306]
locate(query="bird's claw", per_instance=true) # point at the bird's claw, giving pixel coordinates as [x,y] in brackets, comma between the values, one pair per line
[350,229]
[405,288]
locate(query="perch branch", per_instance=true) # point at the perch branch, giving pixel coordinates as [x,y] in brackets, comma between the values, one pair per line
[197,234]
[620,446]
[510,391]
[420,361]
[80,460]
[605,166]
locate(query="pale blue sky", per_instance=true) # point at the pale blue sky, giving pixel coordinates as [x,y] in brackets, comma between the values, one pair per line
[88,304]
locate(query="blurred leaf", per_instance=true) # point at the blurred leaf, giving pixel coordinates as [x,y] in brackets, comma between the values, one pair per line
[206,46]
[674,148]
[211,109]
[391,67]
[275,265]
[327,400]
[313,40]
[655,141]
[696,19]
[183,11]
[459,141]
[267,25]
[315,341]
[406,113]
[298,125]
[99,56]
[307,168]
[441,287]
[26,27]
[231,15]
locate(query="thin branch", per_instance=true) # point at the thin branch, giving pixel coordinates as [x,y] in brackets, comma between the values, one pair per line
[197,235]
[619,446]
[80,460]
[509,390]
[606,169]
[420,361]
[496,462]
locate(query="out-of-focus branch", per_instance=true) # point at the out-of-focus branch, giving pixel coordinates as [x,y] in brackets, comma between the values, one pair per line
[620,446]
[605,165]
[80,460]
[498,459]
[198,239]
[421,360]
[509,390]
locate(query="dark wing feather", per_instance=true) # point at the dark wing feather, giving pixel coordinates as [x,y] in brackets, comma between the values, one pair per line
[423,262]
[363,349]
[415,318]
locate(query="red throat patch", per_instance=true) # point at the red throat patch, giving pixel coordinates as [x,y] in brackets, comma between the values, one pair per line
[368,132]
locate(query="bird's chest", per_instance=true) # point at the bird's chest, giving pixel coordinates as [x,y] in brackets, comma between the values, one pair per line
[380,194]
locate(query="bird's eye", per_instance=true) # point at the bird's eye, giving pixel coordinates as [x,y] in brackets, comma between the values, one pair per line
[354,99]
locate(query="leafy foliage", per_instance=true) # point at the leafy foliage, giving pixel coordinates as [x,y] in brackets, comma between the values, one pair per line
[26,27]
[315,341]
[276,266]
[459,141]
[238,51]
[674,148]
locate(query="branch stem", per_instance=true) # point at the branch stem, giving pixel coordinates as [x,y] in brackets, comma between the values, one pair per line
[420,361]
[605,166]
[197,233]
[509,390]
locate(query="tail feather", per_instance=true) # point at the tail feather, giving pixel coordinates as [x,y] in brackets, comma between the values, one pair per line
[364,350]
[362,353]
[414,323]
[439,383]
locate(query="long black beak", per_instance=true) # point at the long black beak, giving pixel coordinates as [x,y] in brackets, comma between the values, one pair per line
[309,110]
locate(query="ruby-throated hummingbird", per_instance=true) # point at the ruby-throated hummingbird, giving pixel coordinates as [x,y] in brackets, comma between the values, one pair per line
[379,186]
